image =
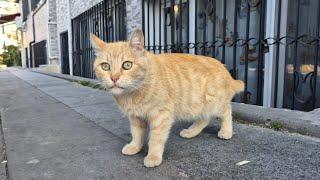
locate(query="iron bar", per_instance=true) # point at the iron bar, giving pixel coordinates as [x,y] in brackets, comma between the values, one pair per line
[172,22]
[261,53]
[223,60]
[315,69]
[245,99]
[295,56]
[235,36]
[277,54]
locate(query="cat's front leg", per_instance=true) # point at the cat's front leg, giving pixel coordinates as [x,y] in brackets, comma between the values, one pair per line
[160,126]
[138,129]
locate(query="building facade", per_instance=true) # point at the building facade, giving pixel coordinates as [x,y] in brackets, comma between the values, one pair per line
[9,34]
[271,45]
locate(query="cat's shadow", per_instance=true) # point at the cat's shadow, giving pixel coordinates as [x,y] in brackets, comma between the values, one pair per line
[211,129]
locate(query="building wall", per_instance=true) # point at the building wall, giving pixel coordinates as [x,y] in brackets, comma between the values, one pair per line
[45,22]
[134,15]
[79,6]
[55,17]
[66,10]
[63,23]
[40,23]
[8,35]
[62,15]
[52,32]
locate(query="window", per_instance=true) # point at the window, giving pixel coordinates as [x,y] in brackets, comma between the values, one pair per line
[34,4]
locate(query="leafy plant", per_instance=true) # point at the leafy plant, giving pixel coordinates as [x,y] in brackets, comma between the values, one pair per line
[11,56]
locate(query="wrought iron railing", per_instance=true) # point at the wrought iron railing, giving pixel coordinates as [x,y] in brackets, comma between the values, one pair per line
[234,33]
[107,21]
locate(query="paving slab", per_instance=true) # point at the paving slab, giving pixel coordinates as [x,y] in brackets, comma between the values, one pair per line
[87,134]
[53,141]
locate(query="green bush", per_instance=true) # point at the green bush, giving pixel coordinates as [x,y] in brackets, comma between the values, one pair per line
[11,56]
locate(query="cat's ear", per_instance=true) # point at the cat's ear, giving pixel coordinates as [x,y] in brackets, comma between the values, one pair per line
[136,40]
[97,44]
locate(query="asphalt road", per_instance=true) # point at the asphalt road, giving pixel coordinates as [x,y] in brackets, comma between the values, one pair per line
[56,129]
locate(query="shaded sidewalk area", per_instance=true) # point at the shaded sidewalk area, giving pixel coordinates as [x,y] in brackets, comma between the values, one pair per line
[56,129]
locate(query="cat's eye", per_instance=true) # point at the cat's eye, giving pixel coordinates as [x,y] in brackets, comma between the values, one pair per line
[105,66]
[127,65]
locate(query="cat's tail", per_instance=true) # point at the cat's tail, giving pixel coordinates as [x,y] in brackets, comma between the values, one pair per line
[238,86]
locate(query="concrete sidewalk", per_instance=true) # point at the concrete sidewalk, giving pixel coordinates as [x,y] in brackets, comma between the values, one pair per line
[56,129]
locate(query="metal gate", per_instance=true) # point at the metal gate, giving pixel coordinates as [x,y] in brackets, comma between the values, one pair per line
[107,20]
[234,32]
[300,48]
[64,53]
[39,53]
[27,57]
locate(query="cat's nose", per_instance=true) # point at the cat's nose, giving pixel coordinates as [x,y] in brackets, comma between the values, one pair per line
[115,78]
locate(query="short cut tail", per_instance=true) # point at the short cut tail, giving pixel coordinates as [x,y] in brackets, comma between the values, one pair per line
[238,86]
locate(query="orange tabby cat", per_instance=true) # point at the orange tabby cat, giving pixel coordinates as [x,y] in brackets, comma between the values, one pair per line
[156,90]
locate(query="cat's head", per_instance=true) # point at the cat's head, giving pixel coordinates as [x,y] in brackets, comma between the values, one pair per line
[121,66]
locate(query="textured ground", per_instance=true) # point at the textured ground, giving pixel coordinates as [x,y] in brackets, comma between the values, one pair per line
[55,129]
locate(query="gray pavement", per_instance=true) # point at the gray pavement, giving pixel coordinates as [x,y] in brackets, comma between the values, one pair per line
[56,129]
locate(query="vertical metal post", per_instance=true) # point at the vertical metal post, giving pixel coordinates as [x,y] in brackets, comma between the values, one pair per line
[245,99]
[180,25]
[148,21]
[116,22]
[214,29]
[154,25]
[315,72]
[235,37]
[160,26]
[295,56]
[204,34]
[223,60]
[172,21]
[112,4]
[165,26]
[277,55]
[104,24]
[261,53]
[196,27]
[188,23]
[107,21]
[143,23]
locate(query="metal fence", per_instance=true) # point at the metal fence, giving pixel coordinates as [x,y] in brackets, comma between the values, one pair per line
[64,49]
[107,20]
[235,33]
[39,55]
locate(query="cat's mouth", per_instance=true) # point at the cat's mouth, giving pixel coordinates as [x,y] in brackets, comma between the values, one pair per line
[116,87]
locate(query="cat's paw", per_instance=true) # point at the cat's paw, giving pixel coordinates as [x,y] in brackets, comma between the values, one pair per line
[223,134]
[186,133]
[152,161]
[130,149]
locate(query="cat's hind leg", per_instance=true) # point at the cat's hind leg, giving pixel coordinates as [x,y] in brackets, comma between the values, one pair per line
[226,124]
[194,129]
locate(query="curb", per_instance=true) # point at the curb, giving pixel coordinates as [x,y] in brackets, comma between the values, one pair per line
[306,123]
[65,77]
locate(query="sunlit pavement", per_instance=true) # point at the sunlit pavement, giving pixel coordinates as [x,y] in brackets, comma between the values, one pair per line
[56,129]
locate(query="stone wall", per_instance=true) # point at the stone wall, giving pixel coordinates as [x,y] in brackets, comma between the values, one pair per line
[134,15]
[52,32]
[63,23]
[62,15]
[40,23]
[79,6]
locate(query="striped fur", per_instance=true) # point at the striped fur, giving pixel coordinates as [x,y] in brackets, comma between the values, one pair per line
[160,89]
